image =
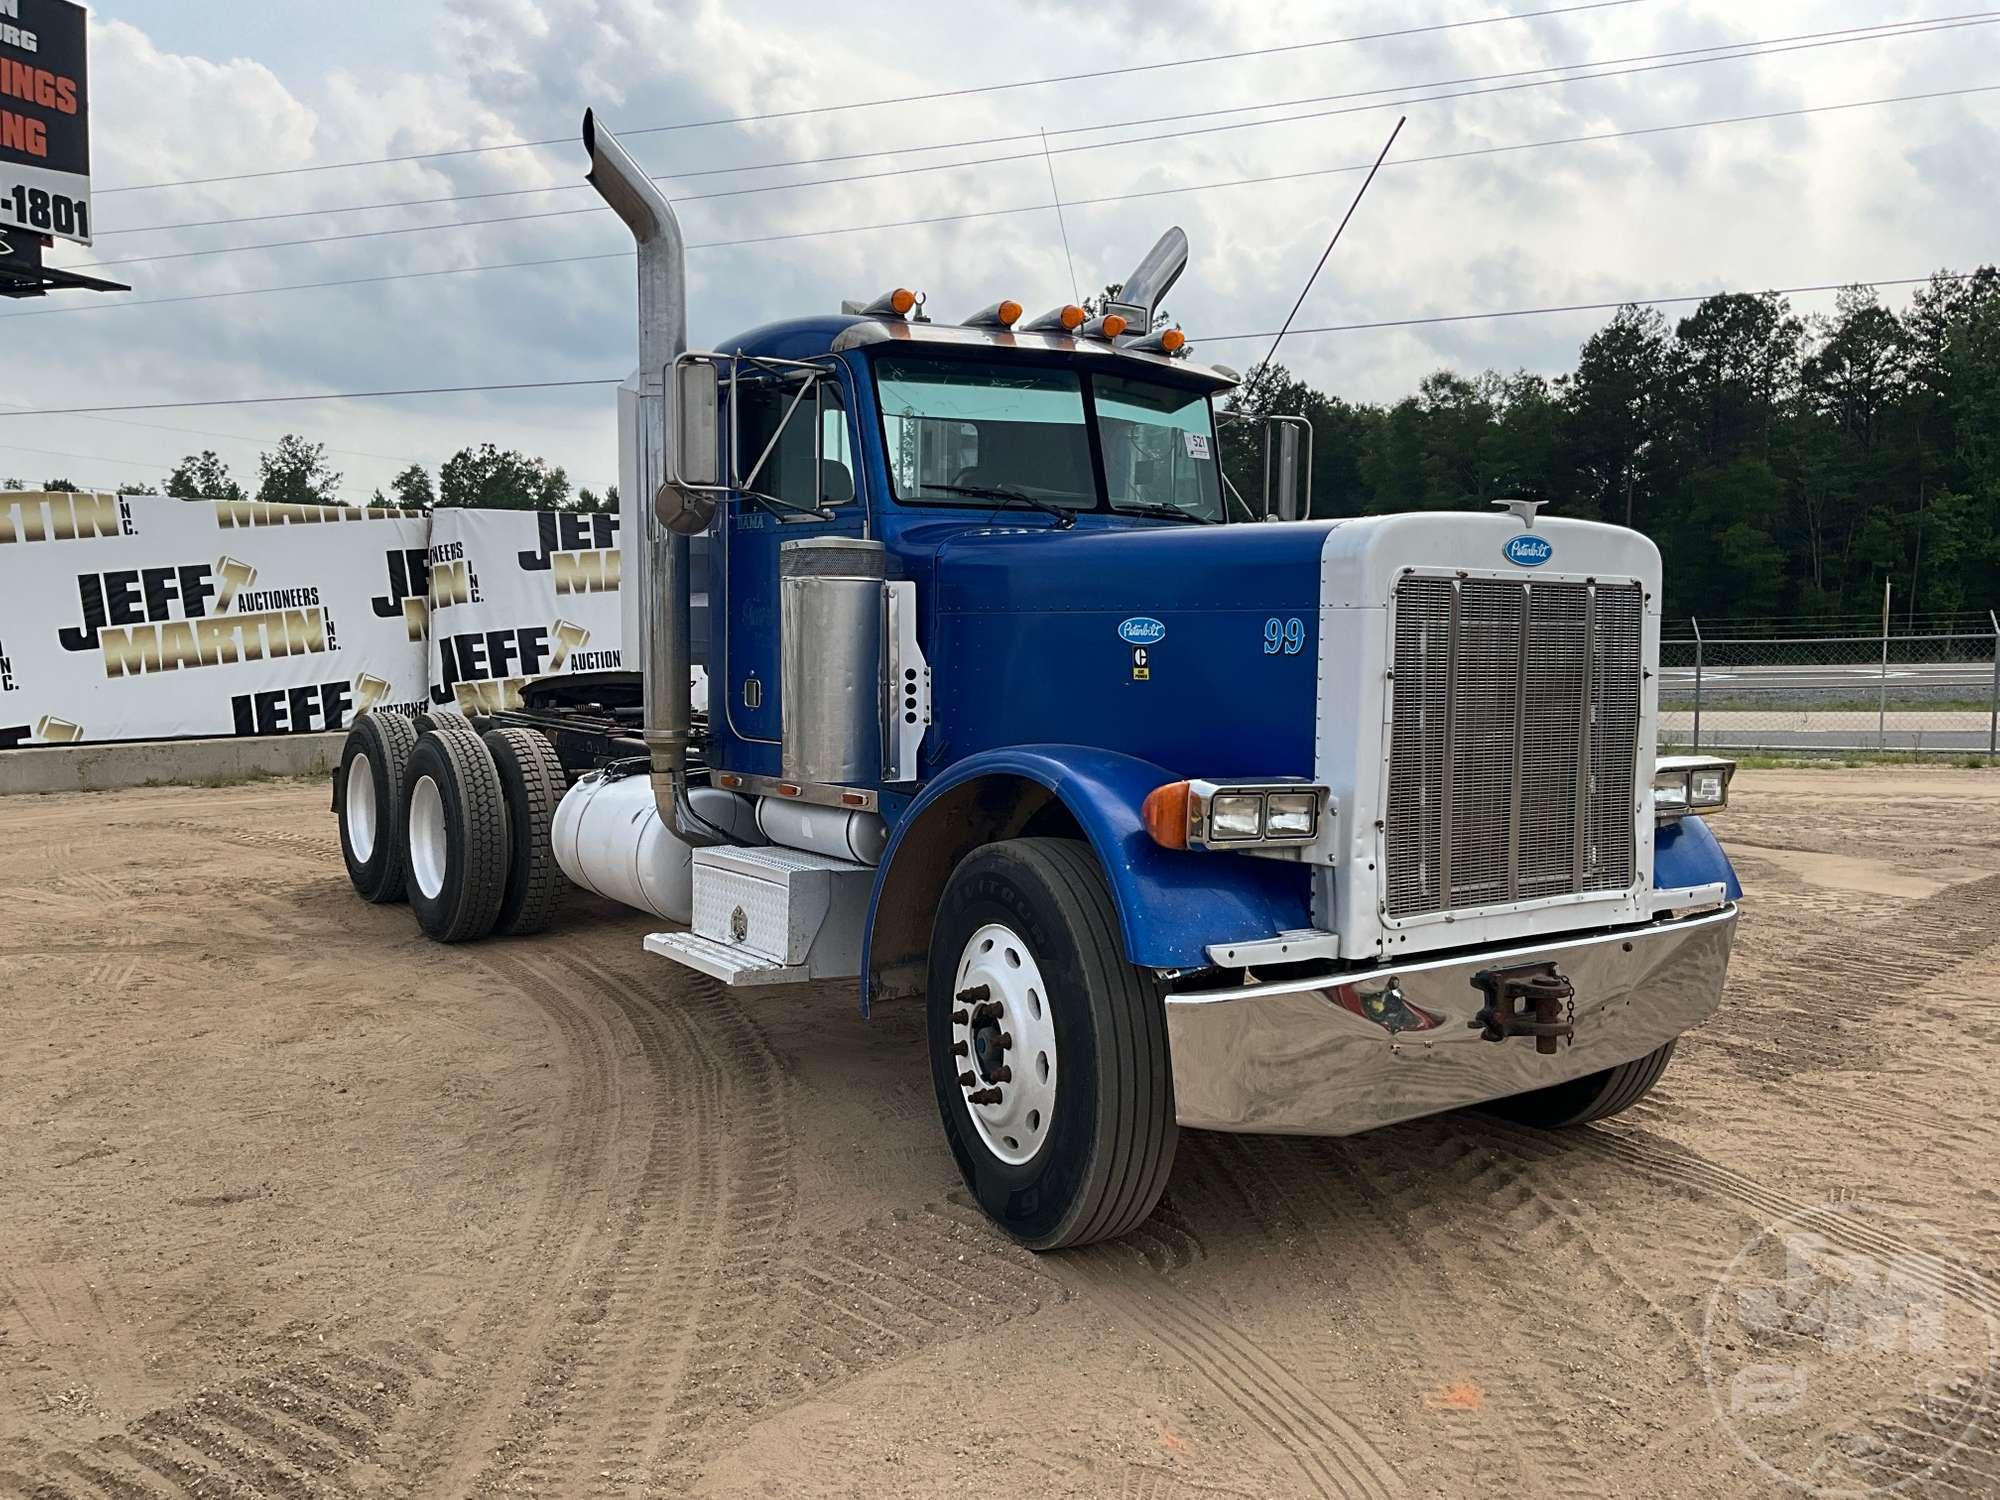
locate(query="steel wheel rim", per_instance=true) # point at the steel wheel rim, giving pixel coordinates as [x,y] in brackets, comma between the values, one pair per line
[427,841]
[359,800]
[997,969]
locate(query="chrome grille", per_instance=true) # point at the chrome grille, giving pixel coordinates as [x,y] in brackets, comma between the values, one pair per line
[1514,737]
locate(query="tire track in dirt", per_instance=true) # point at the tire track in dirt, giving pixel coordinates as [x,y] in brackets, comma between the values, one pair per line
[1675,1165]
[1918,1450]
[842,1307]
[1330,1454]
[493,1347]
[709,1211]
[1836,977]
[1310,1197]
[298,1430]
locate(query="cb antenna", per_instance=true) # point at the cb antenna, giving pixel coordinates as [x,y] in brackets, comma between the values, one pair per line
[1334,241]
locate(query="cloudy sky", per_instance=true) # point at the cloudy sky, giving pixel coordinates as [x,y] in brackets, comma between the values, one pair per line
[186,89]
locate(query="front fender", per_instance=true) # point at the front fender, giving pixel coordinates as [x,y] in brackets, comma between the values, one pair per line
[1171,904]
[1686,854]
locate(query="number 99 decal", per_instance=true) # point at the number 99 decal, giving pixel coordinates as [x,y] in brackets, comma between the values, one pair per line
[1284,636]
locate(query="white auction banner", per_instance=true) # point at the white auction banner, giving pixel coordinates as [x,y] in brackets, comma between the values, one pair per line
[145,617]
[519,594]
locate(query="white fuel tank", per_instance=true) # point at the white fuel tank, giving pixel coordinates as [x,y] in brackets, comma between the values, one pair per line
[609,838]
[843,833]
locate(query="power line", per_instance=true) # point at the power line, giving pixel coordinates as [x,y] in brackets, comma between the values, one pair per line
[434,390]
[924,98]
[1461,155]
[248,440]
[1734,50]
[1577,307]
[902,172]
[1516,312]
[89,458]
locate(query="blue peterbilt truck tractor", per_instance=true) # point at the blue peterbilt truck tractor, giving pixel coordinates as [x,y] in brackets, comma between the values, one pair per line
[1169,814]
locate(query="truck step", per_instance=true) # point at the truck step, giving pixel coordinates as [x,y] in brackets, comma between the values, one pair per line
[733,966]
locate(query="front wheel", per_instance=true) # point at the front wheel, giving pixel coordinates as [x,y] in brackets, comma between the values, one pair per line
[1596,1096]
[1048,1050]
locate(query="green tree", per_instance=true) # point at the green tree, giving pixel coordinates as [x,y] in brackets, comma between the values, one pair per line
[1614,410]
[203,476]
[63,486]
[296,473]
[412,489]
[496,479]
[589,499]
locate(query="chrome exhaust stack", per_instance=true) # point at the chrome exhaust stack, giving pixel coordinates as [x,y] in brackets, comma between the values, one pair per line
[661,575]
[1147,287]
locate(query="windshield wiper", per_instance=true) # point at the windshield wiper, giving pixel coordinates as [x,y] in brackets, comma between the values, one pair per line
[1165,512]
[1065,517]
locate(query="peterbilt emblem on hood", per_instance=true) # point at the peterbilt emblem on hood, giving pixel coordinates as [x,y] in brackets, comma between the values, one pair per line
[1142,630]
[1529,550]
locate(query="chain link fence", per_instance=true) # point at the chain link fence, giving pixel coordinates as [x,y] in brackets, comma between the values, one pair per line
[1928,688]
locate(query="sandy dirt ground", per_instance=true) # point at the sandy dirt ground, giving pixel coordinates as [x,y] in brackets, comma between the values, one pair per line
[295,1203]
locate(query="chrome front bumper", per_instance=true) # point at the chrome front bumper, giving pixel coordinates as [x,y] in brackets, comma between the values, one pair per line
[1338,1056]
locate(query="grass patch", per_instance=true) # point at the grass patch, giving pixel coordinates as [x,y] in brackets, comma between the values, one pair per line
[1777,704]
[1848,760]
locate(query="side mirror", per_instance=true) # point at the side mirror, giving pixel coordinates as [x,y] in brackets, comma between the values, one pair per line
[685,502]
[1288,443]
[697,406]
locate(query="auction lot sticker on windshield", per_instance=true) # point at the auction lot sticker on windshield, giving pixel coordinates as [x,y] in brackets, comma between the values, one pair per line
[44,119]
[1197,444]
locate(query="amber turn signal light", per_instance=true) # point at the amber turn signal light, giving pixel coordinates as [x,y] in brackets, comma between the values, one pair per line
[1165,814]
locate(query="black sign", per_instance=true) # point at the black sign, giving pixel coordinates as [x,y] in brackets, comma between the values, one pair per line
[44,119]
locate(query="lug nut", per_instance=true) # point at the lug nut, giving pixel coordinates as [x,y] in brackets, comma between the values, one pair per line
[983,1096]
[974,995]
[960,1018]
[958,1049]
[966,1080]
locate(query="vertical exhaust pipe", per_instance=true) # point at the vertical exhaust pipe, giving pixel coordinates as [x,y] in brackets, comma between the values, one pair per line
[661,575]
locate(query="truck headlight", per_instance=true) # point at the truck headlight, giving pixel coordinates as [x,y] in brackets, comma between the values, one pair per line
[1234,814]
[1690,783]
[1291,815]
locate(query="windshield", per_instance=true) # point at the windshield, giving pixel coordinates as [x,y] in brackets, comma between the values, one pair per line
[1159,449]
[953,426]
[961,431]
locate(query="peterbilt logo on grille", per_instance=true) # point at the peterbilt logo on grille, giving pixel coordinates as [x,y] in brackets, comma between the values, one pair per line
[1529,550]
[1142,630]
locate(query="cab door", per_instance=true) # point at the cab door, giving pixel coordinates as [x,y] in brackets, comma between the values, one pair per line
[796,477]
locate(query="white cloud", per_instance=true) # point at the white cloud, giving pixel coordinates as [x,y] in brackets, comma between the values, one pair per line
[1889,191]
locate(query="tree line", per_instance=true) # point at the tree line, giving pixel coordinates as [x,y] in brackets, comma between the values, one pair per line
[297,472]
[1785,465]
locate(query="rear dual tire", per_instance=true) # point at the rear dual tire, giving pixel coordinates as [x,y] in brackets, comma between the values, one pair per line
[458,836]
[460,824]
[373,782]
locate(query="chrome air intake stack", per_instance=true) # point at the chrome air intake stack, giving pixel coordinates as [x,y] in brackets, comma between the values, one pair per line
[1140,296]
[656,558]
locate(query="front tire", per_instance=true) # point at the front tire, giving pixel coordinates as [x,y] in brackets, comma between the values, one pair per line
[1048,1050]
[1595,1096]
[457,835]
